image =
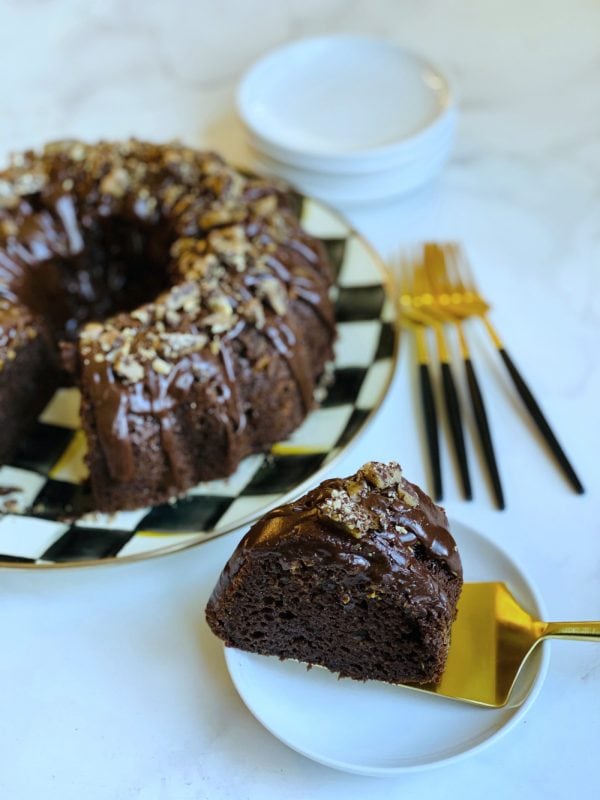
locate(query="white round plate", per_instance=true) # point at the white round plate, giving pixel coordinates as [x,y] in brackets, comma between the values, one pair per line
[376,729]
[342,102]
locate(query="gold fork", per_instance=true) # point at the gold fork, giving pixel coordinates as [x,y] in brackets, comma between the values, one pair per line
[441,300]
[416,302]
[464,300]
[416,322]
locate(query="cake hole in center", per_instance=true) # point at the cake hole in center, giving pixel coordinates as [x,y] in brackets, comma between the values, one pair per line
[121,265]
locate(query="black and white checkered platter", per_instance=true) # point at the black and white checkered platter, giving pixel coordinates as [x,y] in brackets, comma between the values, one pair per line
[45,483]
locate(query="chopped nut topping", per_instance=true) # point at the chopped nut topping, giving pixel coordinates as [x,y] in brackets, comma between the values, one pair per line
[8,196]
[223,318]
[222,216]
[30,183]
[407,497]
[182,343]
[161,366]
[340,508]
[183,297]
[129,368]
[220,304]
[253,311]
[193,265]
[116,183]
[273,290]
[91,331]
[265,206]
[141,315]
[354,488]
[262,363]
[173,318]
[381,476]
[7,226]
[183,245]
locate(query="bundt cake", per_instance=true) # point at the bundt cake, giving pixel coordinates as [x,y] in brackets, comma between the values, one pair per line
[361,576]
[184,300]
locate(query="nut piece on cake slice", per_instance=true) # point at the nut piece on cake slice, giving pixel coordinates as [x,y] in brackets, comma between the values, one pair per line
[360,576]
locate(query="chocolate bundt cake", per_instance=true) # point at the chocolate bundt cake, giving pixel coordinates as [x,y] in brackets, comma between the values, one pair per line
[183,298]
[361,576]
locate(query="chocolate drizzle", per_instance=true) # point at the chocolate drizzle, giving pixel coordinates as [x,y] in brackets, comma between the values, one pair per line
[111,418]
[349,519]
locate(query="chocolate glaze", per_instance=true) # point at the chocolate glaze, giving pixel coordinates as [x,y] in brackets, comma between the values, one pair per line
[385,536]
[425,523]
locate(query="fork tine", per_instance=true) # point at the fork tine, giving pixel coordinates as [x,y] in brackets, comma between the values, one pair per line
[439,276]
[432,265]
[452,260]
[462,269]
[418,273]
[429,265]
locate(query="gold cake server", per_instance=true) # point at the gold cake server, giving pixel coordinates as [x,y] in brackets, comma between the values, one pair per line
[492,638]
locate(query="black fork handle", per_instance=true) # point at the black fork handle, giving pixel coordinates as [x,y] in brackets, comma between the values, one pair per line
[541,422]
[431,429]
[456,428]
[485,435]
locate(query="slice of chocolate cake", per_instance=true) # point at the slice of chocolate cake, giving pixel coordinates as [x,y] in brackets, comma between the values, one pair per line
[361,576]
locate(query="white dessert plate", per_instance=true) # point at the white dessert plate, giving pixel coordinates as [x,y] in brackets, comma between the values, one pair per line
[338,103]
[376,729]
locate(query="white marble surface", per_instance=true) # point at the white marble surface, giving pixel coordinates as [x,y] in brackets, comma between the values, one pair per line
[111,685]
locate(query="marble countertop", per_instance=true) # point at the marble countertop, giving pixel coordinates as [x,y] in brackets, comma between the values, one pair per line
[111,685]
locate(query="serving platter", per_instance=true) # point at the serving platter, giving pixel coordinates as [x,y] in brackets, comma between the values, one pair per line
[46,508]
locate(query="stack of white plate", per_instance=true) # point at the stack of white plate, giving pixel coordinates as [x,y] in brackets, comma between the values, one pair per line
[349,119]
